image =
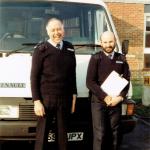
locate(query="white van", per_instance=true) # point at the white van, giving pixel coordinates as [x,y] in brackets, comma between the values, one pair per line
[22,26]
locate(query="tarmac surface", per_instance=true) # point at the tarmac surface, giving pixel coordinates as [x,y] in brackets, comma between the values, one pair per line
[138,139]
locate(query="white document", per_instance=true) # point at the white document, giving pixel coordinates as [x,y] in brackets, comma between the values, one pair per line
[114,84]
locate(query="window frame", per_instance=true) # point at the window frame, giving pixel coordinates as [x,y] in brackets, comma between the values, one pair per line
[146,49]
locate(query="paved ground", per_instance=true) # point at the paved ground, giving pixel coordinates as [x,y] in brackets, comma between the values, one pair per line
[139,139]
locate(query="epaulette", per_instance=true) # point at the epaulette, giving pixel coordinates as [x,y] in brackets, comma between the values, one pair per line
[69,46]
[40,46]
[70,49]
[122,57]
[95,52]
[97,55]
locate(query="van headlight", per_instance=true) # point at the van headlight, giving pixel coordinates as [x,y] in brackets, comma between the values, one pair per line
[128,108]
[9,111]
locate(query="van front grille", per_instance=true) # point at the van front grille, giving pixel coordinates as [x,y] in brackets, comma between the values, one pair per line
[26,112]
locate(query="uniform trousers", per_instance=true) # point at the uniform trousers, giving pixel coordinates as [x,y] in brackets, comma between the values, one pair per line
[106,126]
[57,110]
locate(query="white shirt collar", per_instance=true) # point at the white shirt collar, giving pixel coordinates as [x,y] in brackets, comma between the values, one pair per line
[109,54]
[54,44]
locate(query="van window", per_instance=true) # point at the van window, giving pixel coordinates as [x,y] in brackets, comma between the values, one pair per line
[22,23]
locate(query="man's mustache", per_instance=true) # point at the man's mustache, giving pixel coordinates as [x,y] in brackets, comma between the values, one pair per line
[109,47]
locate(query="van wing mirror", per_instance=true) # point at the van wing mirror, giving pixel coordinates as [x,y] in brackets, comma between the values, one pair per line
[125,46]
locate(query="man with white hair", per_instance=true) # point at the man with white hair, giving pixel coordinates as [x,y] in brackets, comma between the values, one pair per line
[53,85]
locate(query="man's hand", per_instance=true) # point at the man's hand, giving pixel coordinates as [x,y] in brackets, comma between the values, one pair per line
[39,108]
[73,107]
[107,100]
[116,100]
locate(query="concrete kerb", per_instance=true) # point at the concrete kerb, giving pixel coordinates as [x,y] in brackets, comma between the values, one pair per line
[145,120]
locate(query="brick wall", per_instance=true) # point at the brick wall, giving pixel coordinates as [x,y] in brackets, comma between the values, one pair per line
[129,22]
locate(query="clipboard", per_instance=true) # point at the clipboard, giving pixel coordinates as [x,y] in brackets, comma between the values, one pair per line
[114,84]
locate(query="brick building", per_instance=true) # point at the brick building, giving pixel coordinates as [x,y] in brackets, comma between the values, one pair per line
[132,21]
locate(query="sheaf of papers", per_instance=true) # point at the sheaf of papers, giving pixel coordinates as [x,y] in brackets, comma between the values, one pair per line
[114,84]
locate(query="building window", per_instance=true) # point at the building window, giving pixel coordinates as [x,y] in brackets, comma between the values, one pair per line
[147,60]
[147,42]
[147,33]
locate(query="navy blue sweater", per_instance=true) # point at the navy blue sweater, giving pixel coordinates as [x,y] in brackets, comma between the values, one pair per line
[100,66]
[53,71]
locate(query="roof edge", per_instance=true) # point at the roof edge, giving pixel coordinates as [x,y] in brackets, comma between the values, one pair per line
[130,1]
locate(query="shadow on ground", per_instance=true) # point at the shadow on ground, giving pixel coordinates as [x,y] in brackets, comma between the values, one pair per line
[139,139]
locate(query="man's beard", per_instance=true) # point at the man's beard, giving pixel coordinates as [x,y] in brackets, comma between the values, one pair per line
[109,49]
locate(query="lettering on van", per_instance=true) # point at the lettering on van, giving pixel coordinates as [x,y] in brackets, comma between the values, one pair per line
[12,85]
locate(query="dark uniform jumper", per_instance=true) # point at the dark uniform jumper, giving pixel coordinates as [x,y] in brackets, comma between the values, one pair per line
[53,81]
[99,68]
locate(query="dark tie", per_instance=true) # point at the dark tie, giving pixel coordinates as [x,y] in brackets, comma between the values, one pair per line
[58,46]
[110,56]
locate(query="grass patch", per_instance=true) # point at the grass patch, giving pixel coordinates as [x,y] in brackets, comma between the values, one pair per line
[137,91]
[141,110]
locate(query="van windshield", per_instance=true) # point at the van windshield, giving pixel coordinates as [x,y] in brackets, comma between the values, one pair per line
[24,22]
